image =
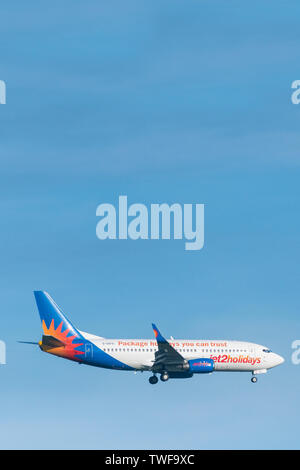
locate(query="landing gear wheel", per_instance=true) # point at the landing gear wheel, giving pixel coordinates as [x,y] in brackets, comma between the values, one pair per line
[153,379]
[254,380]
[164,376]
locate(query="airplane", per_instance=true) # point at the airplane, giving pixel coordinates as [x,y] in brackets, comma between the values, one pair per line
[171,359]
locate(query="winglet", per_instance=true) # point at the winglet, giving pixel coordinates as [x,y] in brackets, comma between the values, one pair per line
[158,336]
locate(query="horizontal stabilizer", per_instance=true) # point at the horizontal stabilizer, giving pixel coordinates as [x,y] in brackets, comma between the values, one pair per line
[28,342]
[50,342]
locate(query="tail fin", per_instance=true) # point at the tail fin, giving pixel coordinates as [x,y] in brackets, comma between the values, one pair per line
[54,322]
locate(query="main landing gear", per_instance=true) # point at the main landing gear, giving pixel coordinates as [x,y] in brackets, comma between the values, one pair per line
[153,379]
[163,377]
[254,380]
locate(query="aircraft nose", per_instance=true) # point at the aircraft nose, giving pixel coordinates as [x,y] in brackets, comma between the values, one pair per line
[279,359]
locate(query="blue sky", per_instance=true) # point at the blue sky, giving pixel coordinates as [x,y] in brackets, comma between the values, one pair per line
[183,102]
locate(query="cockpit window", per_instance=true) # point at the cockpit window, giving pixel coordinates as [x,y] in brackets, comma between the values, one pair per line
[267,350]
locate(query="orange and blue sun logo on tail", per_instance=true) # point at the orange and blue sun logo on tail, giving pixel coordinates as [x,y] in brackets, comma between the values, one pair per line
[60,337]
[65,346]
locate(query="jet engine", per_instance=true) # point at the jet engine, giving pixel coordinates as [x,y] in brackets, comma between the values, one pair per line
[201,366]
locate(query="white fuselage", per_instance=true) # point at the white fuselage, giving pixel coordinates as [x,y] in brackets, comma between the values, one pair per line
[227,355]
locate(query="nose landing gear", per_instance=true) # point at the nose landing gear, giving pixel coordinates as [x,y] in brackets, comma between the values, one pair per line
[254,380]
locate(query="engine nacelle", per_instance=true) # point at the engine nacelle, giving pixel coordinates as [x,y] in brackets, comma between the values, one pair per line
[201,366]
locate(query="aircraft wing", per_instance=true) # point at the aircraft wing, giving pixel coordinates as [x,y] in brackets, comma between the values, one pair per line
[166,356]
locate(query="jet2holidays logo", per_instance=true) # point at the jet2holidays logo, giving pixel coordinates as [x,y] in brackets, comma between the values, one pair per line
[159,221]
